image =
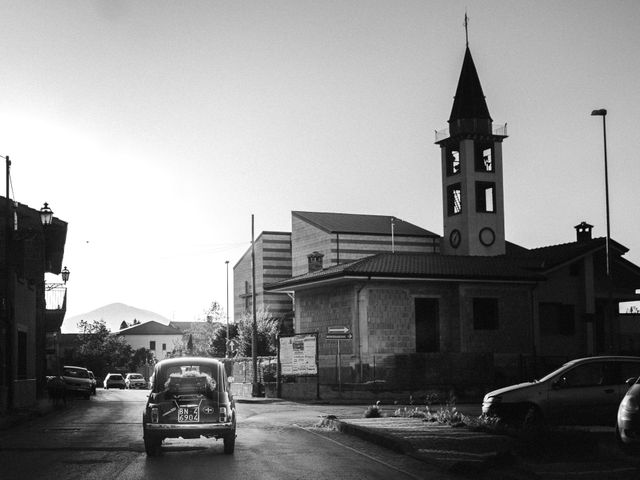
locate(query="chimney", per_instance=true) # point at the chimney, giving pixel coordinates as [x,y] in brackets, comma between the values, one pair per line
[583,232]
[315,261]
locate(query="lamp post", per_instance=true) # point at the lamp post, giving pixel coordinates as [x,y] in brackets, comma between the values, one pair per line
[226,350]
[603,113]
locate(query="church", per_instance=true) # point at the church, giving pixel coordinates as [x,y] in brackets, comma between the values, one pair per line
[464,312]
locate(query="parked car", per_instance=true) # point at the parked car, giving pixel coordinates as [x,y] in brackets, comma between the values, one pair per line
[114,380]
[190,397]
[134,380]
[77,380]
[585,391]
[628,420]
[94,382]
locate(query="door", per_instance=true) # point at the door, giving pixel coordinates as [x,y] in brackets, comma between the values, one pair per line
[427,325]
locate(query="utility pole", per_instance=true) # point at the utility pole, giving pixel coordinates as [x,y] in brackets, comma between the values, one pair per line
[254,330]
[8,300]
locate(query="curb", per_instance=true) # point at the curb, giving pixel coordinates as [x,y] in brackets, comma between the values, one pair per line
[459,466]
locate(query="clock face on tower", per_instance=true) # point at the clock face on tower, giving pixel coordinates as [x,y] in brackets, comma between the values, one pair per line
[454,238]
[487,237]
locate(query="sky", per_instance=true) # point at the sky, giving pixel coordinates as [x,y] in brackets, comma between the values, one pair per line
[156,129]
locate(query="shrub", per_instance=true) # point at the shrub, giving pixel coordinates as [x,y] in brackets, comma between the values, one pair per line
[373,411]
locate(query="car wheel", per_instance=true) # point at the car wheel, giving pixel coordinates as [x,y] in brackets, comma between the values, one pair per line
[229,443]
[152,445]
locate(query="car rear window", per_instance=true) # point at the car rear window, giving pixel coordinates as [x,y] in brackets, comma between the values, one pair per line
[115,377]
[75,372]
[187,379]
[135,377]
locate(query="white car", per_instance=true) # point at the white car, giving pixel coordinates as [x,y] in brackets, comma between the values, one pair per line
[134,380]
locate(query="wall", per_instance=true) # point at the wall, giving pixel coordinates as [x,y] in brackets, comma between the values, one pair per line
[140,341]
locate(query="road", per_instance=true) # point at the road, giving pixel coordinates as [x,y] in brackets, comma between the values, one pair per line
[101,438]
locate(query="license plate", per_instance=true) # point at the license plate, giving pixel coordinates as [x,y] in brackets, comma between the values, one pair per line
[188,414]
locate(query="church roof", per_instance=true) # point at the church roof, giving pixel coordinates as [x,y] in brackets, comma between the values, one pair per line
[469,101]
[425,266]
[362,224]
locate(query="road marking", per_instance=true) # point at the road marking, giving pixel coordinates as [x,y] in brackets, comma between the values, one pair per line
[408,474]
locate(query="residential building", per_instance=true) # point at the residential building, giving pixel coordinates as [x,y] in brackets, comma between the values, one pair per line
[160,339]
[31,318]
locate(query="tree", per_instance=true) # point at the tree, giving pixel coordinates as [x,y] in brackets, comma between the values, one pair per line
[268,329]
[100,351]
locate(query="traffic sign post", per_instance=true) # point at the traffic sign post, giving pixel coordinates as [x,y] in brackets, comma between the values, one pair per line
[339,333]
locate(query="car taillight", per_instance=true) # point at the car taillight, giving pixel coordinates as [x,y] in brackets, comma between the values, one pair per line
[223,414]
[154,415]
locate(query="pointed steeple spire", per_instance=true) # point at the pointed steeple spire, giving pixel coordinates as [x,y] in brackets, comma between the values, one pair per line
[469,102]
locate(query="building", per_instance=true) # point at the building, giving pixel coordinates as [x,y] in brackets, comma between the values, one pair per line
[32,311]
[318,240]
[160,339]
[474,311]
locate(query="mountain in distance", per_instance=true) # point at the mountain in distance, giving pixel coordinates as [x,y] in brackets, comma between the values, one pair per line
[113,315]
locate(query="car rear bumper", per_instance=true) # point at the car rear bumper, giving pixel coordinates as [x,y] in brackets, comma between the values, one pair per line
[187,430]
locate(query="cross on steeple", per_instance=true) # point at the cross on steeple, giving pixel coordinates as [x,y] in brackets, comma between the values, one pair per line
[466,28]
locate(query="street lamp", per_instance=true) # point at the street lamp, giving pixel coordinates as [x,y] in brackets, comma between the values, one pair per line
[65,274]
[603,113]
[46,215]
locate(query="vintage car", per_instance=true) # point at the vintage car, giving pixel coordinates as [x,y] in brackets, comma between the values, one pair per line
[77,380]
[134,380]
[190,397]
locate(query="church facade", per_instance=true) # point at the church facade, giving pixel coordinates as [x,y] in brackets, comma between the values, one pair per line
[475,311]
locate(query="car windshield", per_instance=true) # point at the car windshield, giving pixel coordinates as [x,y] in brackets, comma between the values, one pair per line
[75,372]
[187,379]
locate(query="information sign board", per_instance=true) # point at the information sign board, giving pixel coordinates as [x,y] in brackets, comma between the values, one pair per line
[298,355]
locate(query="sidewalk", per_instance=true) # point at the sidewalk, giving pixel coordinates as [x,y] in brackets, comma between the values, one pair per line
[42,407]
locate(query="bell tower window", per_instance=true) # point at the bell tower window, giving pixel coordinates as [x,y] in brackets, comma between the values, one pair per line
[453,162]
[486,197]
[454,199]
[484,158]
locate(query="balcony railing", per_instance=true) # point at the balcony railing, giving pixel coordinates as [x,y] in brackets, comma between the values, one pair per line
[55,296]
[497,129]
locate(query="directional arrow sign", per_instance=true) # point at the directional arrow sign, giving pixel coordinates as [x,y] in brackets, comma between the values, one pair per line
[339,336]
[343,330]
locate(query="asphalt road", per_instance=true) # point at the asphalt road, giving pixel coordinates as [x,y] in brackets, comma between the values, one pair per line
[101,438]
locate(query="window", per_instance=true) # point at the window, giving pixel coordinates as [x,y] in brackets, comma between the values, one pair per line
[22,356]
[453,162]
[484,158]
[454,199]
[587,375]
[485,313]
[486,197]
[164,347]
[152,345]
[557,319]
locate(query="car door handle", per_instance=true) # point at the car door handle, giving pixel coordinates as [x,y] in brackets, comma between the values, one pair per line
[609,390]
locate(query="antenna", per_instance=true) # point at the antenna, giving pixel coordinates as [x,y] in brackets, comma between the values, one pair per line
[466,28]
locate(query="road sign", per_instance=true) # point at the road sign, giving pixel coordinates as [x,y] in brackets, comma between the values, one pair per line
[343,330]
[339,336]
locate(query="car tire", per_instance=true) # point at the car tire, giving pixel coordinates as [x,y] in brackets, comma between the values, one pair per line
[152,445]
[229,443]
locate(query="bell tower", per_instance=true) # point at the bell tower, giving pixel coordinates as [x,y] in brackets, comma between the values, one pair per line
[471,158]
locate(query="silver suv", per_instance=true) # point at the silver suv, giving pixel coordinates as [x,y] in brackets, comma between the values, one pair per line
[585,391]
